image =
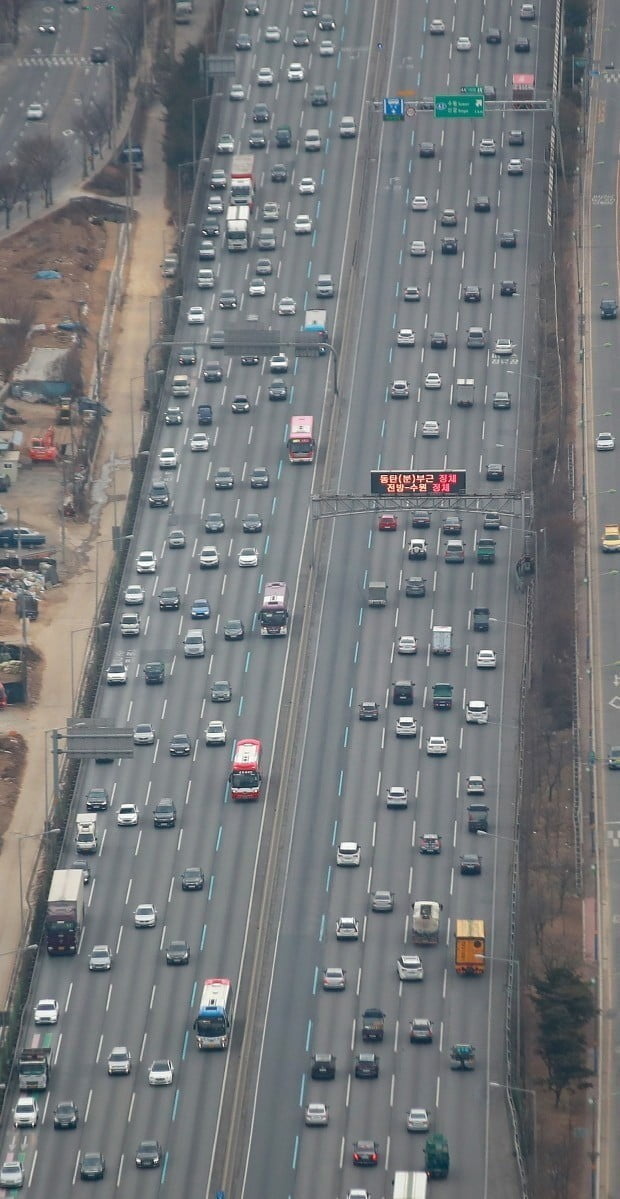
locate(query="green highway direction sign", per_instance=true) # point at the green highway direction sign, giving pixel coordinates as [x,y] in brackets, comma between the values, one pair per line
[459,106]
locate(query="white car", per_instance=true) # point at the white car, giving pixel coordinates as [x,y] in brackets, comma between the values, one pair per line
[257,287]
[271,211]
[486,659]
[26,1112]
[248,556]
[146,563]
[432,381]
[119,1060]
[316,1115]
[334,979]
[127,815]
[326,49]
[407,644]
[437,27]
[264,77]
[605,441]
[144,734]
[272,34]
[476,785]
[400,389]
[515,166]
[307,186]
[436,747]
[226,144]
[295,73]
[161,1073]
[35,112]
[406,726]
[417,1120]
[417,249]
[278,364]
[11,1174]
[237,92]
[463,43]
[397,797]
[347,928]
[287,306]
[209,557]
[145,916]
[199,443]
[302,223]
[419,204]
[409,968]
[46,1011]
[349,853]
[195,315]
[504,347]
[215,733]
[168,459]
[487,147]
[205,279]
[116,674]
[430,428]
[405,337]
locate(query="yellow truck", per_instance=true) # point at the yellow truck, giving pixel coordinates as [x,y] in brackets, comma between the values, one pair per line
[610,541]
[469,947]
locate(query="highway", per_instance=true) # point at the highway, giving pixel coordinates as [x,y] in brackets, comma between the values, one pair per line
[342,766]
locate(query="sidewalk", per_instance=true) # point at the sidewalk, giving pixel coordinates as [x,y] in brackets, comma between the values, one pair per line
[71,607]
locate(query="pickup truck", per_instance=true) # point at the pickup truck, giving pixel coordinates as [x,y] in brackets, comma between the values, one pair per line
[373,1024]
[11,537]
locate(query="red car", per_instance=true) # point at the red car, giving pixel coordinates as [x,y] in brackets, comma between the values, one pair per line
[388,523]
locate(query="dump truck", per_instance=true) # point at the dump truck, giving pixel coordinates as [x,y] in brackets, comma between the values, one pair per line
[477,818]
[485,550]
[410,1184]
[64,915]
[373,1022]
[33,1066]
[480,620]
[469,947]
[86,832]
[442,696]
[436,1156]
[425,922]
[377,594]
[441,639]
[465,392]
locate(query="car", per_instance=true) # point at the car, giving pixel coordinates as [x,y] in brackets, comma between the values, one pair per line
[47,27]
[180,745]
[287,306]
[248,556]
[237,92]
[516,137]
[145,916]
[300,38]
[388,522]
[243,42]
[476,785]
[522,45]
[100,958]
[35,112]
[215,207]
[507,287]
[271,211]
[491,520]
[397,797]
[504,347]
[501,400]
[430,845]
[169,599]
[452,526]
[406,726]
[210,227]
[261,114]
[437,27]
[212,372]
[226,144]
[319,97]
[84,867]
[127,815]
[221,691]
[176,540]
[134,595]
[168,459]
[482,204]
[365,1153]
[200,609]
[92,1166]
[214,522]
[334,979]
[412,294]
[347,928]
[487,147]
[605,441]
[259,478]
[177,953]
[265,77]
[278,364]
[418,1120]
[436,747]
[448,218]
[382,901]
[66,1114]
[46,1011]
[240,404]
[439,341]
[427,150]
[264,266]
[608,310]
[405,337]
[470,863]
[430,428]
[420,518]
[367,1065]
[146,563]
[116,674]
[257,140]
[234,630]
[419,204]
[257,287]
[399,389]
[228,299]
[463,43]
[495,472]
[277,391]
[252,523]
[409,967]
[527,12]
[326,49]
[173,415]
[218,181]
[119,1060]
[486,659]
[224,479]
[326,23]
[449,245]
[149,1155]
[295,73]
[515,166]
[215,733]
[159,494]
[454,551]
[309,10]
[407,644]
[508,239]
[97,799]
[494,36]
[368,710]
[161,1073]
[302,224]
[610,540]
[417,249]
[154,673]
[206,253]
[26,1112]
[472,293]
[348,853]
[144,734]
[316,1115]
[421,1030]
[418,549]
[196,315]
[279,173]
[415,587]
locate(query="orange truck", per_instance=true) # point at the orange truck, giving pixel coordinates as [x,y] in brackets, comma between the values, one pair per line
[469,945]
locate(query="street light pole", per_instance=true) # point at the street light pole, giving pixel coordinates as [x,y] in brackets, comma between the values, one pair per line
[27,837]
[85,628]
[524,1091]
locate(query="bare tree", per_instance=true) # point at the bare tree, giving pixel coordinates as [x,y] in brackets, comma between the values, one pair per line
[13,338]
[103,110]
[9,190]
[45,155]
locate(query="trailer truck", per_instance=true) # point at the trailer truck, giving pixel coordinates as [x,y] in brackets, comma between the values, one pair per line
[64,914]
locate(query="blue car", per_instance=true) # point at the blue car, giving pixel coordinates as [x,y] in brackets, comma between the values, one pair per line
[201,610]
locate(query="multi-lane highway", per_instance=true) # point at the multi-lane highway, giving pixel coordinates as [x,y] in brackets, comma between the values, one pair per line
[341,766]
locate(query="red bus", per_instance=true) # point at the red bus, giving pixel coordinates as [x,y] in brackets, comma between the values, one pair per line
[245,777]
[301,439]
[273,615]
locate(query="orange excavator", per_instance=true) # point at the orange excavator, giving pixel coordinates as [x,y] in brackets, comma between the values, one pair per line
[43,448]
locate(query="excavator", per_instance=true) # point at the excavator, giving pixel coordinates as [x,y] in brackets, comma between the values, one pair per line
[43,448]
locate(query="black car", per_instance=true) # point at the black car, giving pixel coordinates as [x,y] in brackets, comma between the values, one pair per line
[65,1114]
[180,746]
[309,10]
[472,294]
[173,415]
[608,310]
[494,36]
[243,42]
[164,814]
[507,287]
[149,1155]
[516,137]
[249,360]
[159,495]
[449,245]
[98,54]
[367,1065]
[228,299]
[205,414]
[318,96]
[187,356]
[177,953]
[234,630]
[192,878]
[212,372]
[169,599]
[482,204]
[154,672]
[470,863]
[495,472]
[439,341]
[97,799]
[323,1067]
[240,404]
[368,710]
[420,519]
[278,391]
[326,22]
[502,399]
[215,523]
[452,526]
[252,523]
[508,240]
[257,140]
[84,868]
[427,150]
[415,587]
[279,173]
[252,8]
[210,227]
[261,114]
[221,691]
[284,137]
[300,38]
[92,1166]
[365,1153]
[522,45]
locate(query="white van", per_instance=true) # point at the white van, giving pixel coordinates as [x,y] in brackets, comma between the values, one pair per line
[312,140]
[348,128]
[180,386]
[194,644]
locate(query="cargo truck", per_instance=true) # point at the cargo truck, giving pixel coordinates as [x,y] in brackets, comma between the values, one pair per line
[315,321]
[485,550]
[480,620]
[64,915]
[373,1022]
[441,640]
[465,392]
[183,10]
[86,832]
[425,922]
[242,186]
[523,87]
[377,594]
[237,227]
[409,1184]
[469,947]
[442,696]
[33,1067]
[478,818]
[436,1156]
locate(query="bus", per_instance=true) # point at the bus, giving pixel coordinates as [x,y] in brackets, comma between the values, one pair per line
[212,1024]
[245,777]
[301,443]
[273,616]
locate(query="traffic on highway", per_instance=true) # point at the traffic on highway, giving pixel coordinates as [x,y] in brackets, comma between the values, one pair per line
[372,984]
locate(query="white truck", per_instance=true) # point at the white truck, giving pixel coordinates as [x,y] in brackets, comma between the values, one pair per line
[425,922]
[183,10]
[441,639]
[242,187]
[410,1184]
[237,227]
[86,832]
[465,391]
